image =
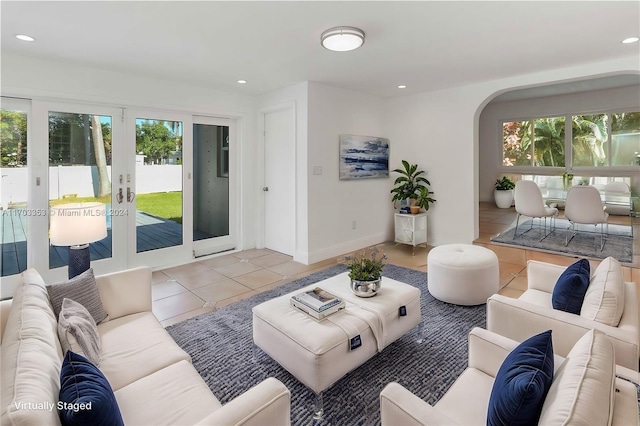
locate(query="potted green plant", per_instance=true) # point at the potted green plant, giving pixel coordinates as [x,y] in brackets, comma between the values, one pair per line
[424,199]
[503,193]
[409,184]
[365,272]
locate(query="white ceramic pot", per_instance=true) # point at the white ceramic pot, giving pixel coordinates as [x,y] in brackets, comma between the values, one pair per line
[503,198]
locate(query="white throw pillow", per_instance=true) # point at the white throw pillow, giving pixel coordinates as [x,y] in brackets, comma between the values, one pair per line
[582,391]
[78,331]
[604,300]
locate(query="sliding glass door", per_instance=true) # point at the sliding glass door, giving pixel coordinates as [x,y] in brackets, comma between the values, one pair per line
[213,182]
[15,117]
[167,181]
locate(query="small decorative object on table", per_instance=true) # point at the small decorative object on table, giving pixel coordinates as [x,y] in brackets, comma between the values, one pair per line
[365,271]
[318,303]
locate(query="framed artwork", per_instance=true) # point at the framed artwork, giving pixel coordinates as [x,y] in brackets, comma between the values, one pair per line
[363,157]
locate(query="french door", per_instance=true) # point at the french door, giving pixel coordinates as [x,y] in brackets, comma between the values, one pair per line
[140,164]
[156,178]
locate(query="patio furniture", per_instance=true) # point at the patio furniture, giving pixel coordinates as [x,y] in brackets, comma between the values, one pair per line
[529,202]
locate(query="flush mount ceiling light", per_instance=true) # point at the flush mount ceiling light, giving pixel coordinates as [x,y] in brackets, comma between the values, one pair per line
[25,37]
[342,39]
[242,81]
[402,86]
[630,40]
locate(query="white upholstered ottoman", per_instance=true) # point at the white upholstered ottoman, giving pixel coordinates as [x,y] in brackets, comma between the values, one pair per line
[318,353]
[462,274]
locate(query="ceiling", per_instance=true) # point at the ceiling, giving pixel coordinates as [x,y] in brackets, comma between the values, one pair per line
[425,45]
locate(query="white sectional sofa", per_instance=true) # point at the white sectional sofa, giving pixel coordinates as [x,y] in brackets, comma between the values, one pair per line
[152,378]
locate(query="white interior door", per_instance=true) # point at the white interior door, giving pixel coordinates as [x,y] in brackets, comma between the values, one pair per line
[279,181]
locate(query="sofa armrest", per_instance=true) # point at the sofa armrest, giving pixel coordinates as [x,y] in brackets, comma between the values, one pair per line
[399,407]
[5,307]
[487,350]
[266,404]
[125,292]
[543,276]
[519,320]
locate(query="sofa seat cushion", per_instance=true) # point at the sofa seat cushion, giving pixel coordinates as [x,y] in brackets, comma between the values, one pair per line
[31,356]
[604,300]
[582,391]
[171,396]
[537,297]
[474,388]
[135,346]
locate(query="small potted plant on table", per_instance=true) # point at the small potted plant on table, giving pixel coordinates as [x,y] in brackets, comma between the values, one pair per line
[503,193]
[365,271]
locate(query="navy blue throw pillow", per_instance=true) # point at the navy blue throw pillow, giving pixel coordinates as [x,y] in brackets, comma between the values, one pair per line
[568,294]
[522,383]
[86,398]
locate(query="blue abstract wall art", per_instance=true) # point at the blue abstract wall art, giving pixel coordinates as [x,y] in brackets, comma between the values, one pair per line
[363,157]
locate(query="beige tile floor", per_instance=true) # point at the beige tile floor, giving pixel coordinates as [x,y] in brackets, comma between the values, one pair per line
[207,284]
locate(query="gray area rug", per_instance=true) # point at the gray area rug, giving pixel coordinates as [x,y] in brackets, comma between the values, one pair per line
[221,346]
[586,243]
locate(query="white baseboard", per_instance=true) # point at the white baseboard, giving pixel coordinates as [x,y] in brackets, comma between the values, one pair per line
[309,258]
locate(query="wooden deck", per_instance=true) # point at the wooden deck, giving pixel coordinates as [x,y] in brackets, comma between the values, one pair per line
[152,233]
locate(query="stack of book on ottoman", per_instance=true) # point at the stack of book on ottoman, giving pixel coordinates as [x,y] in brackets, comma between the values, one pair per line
[318,303]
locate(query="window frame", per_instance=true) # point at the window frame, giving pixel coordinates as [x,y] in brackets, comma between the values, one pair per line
[609,170]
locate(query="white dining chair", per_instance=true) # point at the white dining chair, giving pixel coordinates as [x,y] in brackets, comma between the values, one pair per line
[617,198]
[529,202]
[584,207]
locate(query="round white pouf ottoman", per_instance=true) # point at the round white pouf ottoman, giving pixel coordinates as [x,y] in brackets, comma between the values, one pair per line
[462,274]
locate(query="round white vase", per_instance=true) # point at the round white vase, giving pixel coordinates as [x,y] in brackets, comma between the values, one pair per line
[503,198]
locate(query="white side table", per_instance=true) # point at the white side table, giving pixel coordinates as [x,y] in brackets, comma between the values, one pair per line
[411,228]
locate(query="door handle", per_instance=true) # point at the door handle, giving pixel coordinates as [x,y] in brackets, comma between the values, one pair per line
[130,195]
[119,196]
[265,189]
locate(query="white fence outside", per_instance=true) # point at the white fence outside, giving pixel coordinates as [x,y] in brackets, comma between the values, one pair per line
[83,180]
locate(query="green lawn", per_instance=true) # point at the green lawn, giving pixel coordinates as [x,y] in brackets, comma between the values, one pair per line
[167,205]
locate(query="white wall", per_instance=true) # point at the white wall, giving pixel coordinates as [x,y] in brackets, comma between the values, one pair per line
[492,115]
[439,131]
[335,204]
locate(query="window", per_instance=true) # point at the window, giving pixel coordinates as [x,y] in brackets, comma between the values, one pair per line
[538,142]
[595,141]
[589,140]
[625,139]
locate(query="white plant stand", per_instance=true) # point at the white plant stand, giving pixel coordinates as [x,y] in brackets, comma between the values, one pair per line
[411,229]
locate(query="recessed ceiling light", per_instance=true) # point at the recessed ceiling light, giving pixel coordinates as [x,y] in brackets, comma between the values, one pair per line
[242,81]
[402,86]
[342,39]
[630,40]
[25,37]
